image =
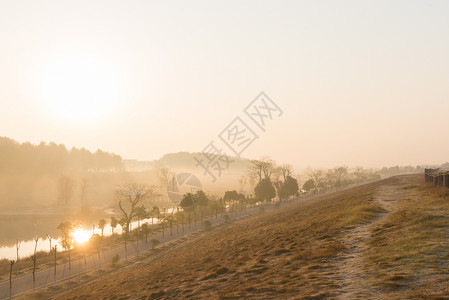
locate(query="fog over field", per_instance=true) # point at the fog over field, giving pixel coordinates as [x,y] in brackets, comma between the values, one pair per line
[139,134]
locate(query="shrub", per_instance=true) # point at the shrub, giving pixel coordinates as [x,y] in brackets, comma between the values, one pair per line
[154,242]
[207,225]
[115,259]
[226,218]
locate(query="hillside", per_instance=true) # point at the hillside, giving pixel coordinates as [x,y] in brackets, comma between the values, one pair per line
[386,239]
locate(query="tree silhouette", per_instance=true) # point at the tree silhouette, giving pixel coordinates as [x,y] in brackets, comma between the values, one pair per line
[34,258]
[67,240]
[101,224]
[309,185]
[11,264]
[130,196]
[287,188]
[65,185]
[146,230]
[264,190]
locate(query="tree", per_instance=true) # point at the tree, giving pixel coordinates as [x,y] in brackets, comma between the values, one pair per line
[114,223]
[309,185]
[55,249]
[318,177]
[285,170]
[49,240]
[101,224]
[146,230]
[264,190]
[201,198]
[83,190]
[242,182]
[65,191]
[11,264]
[17,255]
[262,168]
[97,240]
[230,195]
[155,212]
[125,234]
[154,243]
[34,258]
[287,188]
[164,175]
[340,173]
[141,214]
[67,240]
[188,201]
[130,196]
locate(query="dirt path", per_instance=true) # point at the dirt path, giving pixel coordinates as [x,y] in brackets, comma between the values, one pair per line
[354,284]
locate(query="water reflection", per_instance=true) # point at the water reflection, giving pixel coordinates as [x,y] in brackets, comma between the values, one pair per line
[26,228]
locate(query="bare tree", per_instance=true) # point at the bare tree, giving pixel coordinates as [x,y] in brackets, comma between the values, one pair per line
[285,170]
[67,241]
[34,258]
[164,175]
[262,168]
[17,255]
[130,196]
[49,240]
[55,249]
[97,240]
[11,264]
[318,176]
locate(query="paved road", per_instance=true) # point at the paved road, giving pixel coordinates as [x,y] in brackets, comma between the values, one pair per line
[46,277]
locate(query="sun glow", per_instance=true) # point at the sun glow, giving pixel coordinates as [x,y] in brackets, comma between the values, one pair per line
[81,235]
[80,90]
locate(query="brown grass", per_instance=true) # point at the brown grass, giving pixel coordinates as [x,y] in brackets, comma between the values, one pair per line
[291,253]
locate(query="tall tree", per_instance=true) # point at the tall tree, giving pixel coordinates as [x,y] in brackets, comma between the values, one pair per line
[309,185]
[17,255]
[65,189]
[101,224]
[129,198]
[67,240]
[287,188]
[264,190]
[262,168]
[164,175]
[34,258]
[11,264]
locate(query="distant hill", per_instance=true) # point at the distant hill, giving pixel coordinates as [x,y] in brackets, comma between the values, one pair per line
[180,161]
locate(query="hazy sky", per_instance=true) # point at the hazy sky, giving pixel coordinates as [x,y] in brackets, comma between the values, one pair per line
[359,82]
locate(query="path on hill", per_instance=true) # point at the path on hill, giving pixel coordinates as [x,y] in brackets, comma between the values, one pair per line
[354,284]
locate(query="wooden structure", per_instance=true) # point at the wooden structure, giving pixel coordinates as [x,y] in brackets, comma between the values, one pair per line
[438,177]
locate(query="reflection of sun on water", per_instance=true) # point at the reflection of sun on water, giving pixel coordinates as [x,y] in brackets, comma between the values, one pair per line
[81,236]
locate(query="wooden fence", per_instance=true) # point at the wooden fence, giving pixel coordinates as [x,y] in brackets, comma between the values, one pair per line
[437,177]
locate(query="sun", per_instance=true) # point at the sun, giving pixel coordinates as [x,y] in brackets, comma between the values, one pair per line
[79,90]
[81,235]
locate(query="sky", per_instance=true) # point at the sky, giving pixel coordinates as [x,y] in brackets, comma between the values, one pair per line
[359,83]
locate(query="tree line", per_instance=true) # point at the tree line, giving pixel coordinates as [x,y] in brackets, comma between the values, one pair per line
[52,159]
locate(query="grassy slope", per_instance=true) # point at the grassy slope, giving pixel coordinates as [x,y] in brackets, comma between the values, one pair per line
[292,252]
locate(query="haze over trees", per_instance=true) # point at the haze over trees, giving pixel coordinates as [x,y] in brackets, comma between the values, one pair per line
[52,159]
[49,174]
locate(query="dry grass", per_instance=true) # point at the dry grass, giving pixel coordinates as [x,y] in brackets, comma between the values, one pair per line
[408,255]
[292,253]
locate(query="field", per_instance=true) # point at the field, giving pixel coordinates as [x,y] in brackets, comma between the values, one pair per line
[387,239]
